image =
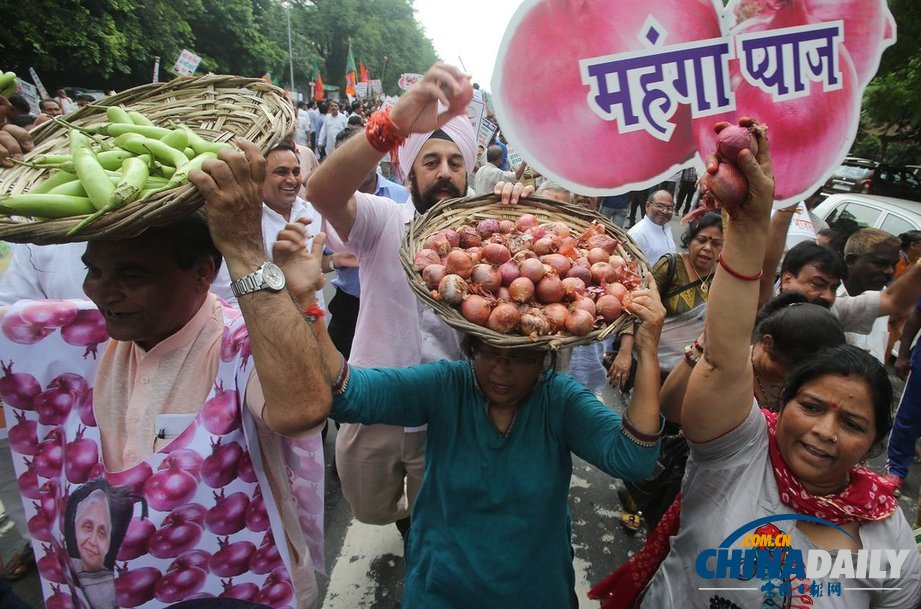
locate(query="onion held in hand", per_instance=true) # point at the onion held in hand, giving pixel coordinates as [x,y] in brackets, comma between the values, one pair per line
[460,101]
[732,140]
[727,186]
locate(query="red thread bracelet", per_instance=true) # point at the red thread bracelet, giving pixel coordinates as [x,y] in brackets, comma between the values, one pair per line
[382,134]
[313,313]
[737,274]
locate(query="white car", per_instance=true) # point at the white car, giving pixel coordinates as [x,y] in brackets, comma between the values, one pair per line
[895,216]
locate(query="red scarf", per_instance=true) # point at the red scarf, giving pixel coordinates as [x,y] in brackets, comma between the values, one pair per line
[867,498]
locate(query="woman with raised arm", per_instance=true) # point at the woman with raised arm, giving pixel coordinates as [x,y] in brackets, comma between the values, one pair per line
[491,524]
[777,489]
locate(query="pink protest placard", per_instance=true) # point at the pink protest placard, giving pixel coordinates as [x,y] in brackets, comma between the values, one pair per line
[627,93]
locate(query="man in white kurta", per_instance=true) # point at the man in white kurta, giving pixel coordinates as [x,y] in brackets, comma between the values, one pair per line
[652,234]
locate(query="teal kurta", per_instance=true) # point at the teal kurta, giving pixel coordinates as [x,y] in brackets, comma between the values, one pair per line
[491,523]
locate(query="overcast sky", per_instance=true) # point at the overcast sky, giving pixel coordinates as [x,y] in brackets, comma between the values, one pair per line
[471,30]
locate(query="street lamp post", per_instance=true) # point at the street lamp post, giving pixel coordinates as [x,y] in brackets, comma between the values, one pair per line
[290,53]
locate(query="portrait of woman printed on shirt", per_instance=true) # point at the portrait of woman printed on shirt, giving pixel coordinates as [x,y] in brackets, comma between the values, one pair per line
[95,522]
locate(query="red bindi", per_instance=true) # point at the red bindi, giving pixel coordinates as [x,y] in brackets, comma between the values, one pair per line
[834,405]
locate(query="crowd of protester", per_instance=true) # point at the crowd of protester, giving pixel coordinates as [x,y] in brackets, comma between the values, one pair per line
[753,377]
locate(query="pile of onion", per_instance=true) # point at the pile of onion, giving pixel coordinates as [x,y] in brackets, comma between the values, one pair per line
[527,278]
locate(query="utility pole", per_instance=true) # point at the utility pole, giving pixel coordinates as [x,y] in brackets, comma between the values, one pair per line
[290,53]
[383,70]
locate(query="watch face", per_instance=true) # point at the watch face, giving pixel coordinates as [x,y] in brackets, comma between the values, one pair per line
[273,276]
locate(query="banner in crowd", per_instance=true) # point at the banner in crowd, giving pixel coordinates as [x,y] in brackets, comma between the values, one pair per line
[514,157]
[485,132]
[635,96]
[407,79]
[361,89]
[476,112]
[377,88]
[186,64]
[30,93]
[38,84]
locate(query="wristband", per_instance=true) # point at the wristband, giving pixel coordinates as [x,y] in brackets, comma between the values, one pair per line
[382,134]
[737,274]
[313,313]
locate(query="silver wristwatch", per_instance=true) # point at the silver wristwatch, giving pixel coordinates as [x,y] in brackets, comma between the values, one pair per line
[267,277]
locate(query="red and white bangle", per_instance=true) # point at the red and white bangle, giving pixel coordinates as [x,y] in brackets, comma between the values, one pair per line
[382,133]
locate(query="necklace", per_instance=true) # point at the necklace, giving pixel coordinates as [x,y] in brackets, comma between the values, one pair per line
[704,283]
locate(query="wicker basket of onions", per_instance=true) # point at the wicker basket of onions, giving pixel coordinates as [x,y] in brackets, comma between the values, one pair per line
[537,274]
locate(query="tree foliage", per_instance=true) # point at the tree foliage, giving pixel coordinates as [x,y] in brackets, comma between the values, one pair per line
[891,117]
[384,34]
[111,43]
